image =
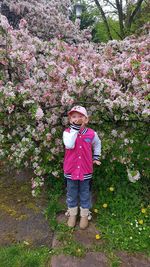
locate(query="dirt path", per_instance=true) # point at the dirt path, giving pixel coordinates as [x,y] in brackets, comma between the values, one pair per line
[21,215]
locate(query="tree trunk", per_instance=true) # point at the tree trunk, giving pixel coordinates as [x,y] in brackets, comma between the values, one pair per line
[104,19]
[121,17]
[131,17]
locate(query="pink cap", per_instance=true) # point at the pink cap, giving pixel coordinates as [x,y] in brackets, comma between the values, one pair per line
[79,109]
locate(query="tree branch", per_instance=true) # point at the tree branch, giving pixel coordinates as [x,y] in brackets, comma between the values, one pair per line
[119,35]
[139,3]
[104,18]
[109,2]
[120,15]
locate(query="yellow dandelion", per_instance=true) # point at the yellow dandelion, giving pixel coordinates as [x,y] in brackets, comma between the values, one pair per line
[143,210]
[97,237]
[78,250]
[140,221]
[111,188]
[96,210]
[105,205]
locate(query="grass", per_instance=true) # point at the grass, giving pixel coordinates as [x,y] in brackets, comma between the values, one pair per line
[123,222]
[68,245]
[121,213]
[22,256]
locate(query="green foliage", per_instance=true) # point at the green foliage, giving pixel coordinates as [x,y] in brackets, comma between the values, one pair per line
[124,221]
[87,19]
[142,17]
[99,33]
[123,140]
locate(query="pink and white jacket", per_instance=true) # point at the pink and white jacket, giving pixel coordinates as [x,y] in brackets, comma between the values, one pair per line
[82,146]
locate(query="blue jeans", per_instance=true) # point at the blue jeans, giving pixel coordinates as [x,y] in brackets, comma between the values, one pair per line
[79,192]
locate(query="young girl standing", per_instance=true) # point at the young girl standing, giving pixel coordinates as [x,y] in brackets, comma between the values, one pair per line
[82,149]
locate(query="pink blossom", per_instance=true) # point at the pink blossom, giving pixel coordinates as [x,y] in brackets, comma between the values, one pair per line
[48,136]
[4,23]
[22,24]
[11,108]
[39,114]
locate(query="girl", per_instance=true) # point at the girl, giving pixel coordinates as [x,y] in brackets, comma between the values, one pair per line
[79,142]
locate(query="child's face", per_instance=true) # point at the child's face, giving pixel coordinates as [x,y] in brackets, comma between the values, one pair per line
[78,118]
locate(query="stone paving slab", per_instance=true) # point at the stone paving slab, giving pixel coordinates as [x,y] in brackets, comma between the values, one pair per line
[33,230]
[92,259]
[133,260]
[87,237]
[84,237]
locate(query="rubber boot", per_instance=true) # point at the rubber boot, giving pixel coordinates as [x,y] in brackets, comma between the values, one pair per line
[72,213]
[84,221]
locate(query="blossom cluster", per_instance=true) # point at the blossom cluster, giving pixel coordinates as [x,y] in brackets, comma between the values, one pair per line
[46,19]
[41,80]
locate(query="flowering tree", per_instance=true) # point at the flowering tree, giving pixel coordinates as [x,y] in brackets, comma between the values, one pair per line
[41,80]
[46,19]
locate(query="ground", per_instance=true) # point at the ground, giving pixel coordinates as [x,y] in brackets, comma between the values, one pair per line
[22,218]
[23,221]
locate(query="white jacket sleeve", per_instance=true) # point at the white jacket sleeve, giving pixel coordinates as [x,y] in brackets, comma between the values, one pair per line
[96,147]
[70,138]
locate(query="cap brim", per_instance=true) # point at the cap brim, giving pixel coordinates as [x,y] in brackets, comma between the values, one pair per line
[69,112]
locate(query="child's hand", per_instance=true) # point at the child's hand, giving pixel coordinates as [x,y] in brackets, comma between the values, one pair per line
[97,162]
[76,121]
